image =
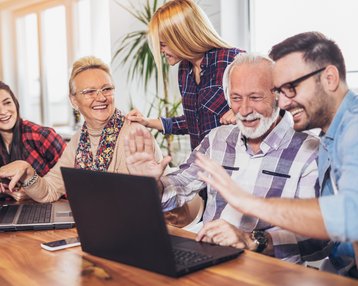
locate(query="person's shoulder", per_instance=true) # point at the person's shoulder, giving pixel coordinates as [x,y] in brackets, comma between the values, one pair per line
[352,102]
[222,132]
[31,127]
[128,127]
[307,140]
[222,57]
[226,52]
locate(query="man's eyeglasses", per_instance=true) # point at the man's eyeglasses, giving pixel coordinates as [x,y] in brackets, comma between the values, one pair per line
[288,89]
[91,93]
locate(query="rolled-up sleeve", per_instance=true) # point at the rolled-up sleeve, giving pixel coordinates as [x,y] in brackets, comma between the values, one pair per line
[182,185]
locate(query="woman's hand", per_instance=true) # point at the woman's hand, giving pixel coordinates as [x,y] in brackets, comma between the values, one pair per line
[140,158]
[15,172]
[136,116]
[19,195]
[228,118]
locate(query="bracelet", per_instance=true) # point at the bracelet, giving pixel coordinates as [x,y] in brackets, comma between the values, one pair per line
[30,181]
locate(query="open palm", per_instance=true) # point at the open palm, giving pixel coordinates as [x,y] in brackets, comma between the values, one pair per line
[140,158]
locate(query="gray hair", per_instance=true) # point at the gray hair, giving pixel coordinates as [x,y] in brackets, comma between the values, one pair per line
[241,59]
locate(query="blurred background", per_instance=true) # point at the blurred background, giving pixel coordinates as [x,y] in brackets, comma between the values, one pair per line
[40,39]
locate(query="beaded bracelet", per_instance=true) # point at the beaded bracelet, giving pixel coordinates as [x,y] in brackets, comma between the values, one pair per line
[30,181]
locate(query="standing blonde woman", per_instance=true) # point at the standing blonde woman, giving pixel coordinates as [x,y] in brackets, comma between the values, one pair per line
[182,32]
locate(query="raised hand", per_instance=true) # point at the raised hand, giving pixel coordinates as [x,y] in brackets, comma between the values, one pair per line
[140,158]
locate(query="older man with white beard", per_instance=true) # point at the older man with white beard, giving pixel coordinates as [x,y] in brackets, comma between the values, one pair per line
[262,152]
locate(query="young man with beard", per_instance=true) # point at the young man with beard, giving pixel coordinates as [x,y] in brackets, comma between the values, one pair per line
[262,152]
[310,80]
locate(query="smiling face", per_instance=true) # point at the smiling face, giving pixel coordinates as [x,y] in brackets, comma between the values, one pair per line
[251,99]
[311,107]
[8,112]
[98,110]
[171,58]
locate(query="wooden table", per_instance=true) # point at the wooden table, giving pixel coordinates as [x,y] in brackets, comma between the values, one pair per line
[24,262]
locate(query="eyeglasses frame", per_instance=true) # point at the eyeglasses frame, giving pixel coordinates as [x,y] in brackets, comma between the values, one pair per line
[99,90]
[293,84]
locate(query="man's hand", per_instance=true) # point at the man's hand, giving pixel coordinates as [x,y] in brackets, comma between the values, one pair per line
[139,152]
[228,118]
[223,233]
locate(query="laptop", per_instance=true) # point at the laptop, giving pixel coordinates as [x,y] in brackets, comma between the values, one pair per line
[119,217]
[30,215]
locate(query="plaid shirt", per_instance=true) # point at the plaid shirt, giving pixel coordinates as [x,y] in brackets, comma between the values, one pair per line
[203,103]
[42,146]
[285,166]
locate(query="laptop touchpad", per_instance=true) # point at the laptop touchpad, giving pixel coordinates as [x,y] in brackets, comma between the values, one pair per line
[63,214]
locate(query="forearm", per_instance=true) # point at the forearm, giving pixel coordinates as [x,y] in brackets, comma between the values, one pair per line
[302,216]
[51,187]
[155,124]
[42,192]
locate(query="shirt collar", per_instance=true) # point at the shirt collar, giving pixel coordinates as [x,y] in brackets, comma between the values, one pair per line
[204,63]
[344,106]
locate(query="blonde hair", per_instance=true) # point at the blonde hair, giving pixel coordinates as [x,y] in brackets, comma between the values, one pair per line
[83,64]
[185,29]
[241,59]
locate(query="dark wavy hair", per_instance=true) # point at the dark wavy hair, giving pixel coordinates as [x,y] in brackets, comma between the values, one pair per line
[317,50]
[16,146]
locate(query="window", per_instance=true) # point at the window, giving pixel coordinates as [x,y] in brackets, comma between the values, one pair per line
[273,21]
[42,70]
[43,38]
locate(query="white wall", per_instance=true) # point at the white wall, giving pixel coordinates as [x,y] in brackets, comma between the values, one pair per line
[235,26]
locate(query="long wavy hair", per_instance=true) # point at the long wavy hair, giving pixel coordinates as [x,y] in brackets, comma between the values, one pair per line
[185,29]
[16,146]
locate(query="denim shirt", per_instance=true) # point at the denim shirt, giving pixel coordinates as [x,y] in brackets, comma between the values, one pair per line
[338,172]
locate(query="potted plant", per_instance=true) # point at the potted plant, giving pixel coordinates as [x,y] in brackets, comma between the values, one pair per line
[134,53]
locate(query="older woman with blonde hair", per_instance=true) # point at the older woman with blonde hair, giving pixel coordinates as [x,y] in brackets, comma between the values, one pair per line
[98,145]
[182,32]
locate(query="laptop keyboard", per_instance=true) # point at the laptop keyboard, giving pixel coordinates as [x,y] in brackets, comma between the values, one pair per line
[35,214]
[7,213]
[187,257]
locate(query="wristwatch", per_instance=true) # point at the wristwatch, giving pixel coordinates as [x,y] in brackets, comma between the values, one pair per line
[260,239]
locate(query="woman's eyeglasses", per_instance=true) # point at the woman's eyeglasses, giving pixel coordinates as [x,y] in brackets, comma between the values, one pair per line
[92,93]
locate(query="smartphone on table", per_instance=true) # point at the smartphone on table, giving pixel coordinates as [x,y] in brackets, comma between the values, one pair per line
[61,244]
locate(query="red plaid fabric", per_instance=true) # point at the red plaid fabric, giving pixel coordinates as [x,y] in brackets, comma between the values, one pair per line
[42,146]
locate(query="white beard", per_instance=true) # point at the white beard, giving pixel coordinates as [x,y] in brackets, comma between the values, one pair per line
[264,124]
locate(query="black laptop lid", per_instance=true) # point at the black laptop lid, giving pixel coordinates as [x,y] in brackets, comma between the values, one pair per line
[112,228]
